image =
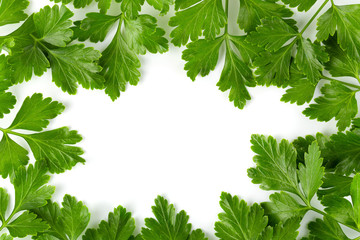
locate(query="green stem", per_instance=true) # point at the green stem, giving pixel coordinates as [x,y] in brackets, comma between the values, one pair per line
[327,215]
[4,224]
[227,14]
[314,16]
[344,83]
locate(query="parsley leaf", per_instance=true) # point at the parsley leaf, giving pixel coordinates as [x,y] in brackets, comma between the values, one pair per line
[55,147]
[119,60]
[240,221]
[346,147]
[205,17]
[40,44]
[168,224]
[338,101]
[276,170]
[252,11]
[12,11]
[272,34]
[120,225]
[68,222]
[335,184]
[161,5]
[340,63]
[345,19]
[301,90]
[7,100]
[341,209]
[326,229]
[303,5]
[30,193]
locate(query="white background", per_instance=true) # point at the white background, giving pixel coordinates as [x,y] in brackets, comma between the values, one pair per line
[168,135]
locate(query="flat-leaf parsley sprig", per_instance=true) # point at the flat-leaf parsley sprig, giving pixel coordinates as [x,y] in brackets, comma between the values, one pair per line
[136,34]
[54,147]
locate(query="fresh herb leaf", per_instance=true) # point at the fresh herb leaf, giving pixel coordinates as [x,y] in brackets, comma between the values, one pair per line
[252,11]
[205,17]
[54,147]
[346,21]
[302,5]
[240,221]
[69,222]
[338,101]
[326,229]
[31,192]
[119,60]
[12,11]
[168,223]
[120,225]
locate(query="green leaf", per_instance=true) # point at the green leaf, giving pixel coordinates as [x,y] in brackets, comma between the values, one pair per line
[286,231]
[120,226]
[239,221]
[273,68]
[161,5]
[345,19]
[4,203]
[77,3]
[27,58]
[52,25]
[252,11]
[355,198]
[201,57]
[5,237]
[340,63]
[197,235]
[206,18]
[301,90]
[142,34]
[30,189]
[120,65]
[26,224]
[346,147]
[338,101]
[302,5]
[74,217]
[7,102]
[103,5]
[35,113]
[76,64]
[131,8]
[339,209]
[235,76]
[335,185]
[12,156]
[312,172]
[168,224]
[310,58]
[55,148]
[275,164]
[283,206]
[95,26]
[272,34]
[50,213]
[326,229]
[12,11]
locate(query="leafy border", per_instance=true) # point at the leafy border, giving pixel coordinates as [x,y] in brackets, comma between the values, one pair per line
[314,165]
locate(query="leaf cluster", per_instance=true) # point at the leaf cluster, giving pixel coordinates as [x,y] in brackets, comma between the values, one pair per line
[273,52]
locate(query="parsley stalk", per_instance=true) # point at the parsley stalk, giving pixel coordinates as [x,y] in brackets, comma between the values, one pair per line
[314,16]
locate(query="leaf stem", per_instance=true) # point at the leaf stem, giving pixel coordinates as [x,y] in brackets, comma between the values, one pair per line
[344,83]
[314,16]
[227,14]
